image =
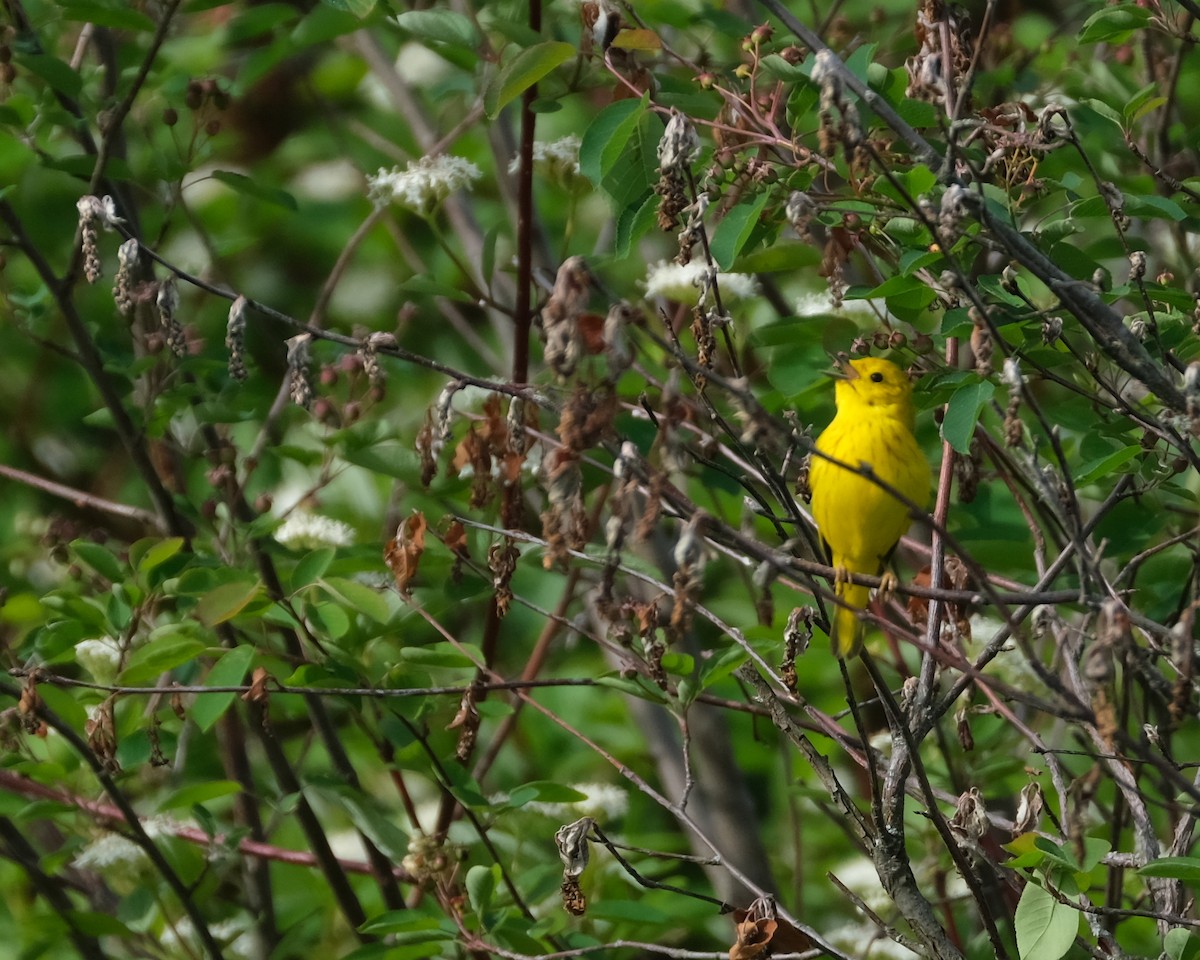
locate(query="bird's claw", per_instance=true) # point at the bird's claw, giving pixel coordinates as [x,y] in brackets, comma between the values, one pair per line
[841,574]
[887,586]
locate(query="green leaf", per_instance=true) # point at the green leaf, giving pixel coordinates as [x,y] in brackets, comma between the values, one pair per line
[394,460]
[550,791]
[523,71]
[360,8]
[55,72]
[312,567]
[1104,110]
[226,601]
[435,288]
[734,230]
[409,926]
[246,186]
[229,671]
[438,655]
[200,793]
[154,554]
[119,18]
[360,597]
[481,886]
[1045,928]
[634,223]
[1114,25]
[777,258]
[1186,869]
[1181,944]
[440,26]
[606,137]
[159,656]
[99,559]
[266,18]
[1107,465]
[635,910]
[95,924]
[962,413]
[370,819]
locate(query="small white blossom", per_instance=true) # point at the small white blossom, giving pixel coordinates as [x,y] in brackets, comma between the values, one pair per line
[422,185]
[101,657]
[311,531]
[557,159]
[682,282]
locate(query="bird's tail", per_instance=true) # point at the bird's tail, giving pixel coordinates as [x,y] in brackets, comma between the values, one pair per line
[847,627]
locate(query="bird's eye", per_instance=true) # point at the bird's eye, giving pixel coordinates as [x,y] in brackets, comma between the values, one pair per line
[877,377]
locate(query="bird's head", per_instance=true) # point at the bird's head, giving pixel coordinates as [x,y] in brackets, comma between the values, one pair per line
[875,385]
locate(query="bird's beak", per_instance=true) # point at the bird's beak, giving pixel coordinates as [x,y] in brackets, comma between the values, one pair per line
[842,369]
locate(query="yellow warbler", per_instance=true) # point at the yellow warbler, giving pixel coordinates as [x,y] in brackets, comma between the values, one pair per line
[859,521]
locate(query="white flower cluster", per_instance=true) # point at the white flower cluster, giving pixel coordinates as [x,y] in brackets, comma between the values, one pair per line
[682,282]
[179,939]
[311,531]
[558,159]
[422,185]
[100,657]
[604,802]
[108,851]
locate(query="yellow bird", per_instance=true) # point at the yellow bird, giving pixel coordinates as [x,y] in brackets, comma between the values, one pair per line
[860,522]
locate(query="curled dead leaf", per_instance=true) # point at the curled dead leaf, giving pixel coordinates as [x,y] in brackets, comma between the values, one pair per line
[403,552]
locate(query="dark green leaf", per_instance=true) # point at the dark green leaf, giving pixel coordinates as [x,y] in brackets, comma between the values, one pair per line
[358,596]
[226,601]
[55,72]
[200,793]
[119,18]
[360,8]
[1106,466]
[409,926]
[229,671]
[606,137]
[154,554]
[734,230]
[99,559]
[312,567]
[252,188]
[1114,24]
[1174,868]
[441,26]
[962,413]
[158,656]
[523,71]
[97,924]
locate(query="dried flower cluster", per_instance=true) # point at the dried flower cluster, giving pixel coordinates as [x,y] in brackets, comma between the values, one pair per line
[677,150]
[235,339]
[167,301]
[300,386]
[93,212]
[939,68]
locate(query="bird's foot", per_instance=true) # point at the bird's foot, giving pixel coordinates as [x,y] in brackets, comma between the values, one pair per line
[841,574]
[887,586]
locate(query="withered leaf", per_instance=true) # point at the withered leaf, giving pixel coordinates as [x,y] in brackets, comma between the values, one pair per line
[403,553]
